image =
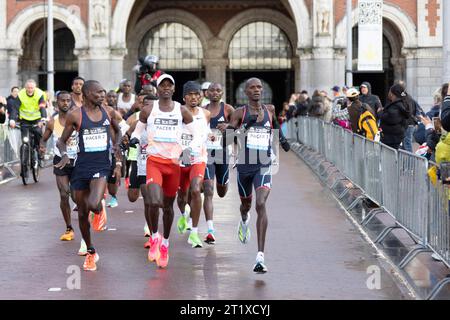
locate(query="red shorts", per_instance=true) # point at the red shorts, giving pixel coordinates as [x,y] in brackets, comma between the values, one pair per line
[164,174]
[189,173]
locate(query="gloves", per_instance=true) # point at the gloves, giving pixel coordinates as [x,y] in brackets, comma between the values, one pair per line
[133,142]
[285,144]
[185,157]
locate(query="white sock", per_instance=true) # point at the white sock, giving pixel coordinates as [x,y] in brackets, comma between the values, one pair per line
[155,235]
[210,225]
[190,221]
[165,242]
[184,214]
[194,230]
[260,257]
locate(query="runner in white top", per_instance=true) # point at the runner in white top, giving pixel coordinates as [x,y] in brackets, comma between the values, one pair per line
[192,176]
[126,98]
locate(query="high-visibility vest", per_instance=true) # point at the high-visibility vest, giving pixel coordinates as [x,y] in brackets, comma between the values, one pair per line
[29,108]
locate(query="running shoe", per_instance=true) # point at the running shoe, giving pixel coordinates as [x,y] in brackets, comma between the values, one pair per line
[194,240]
[90,262]
[100,219]
[210,238]
[83,249]
[244,230]
[147,232]
[113,202]
[148,244]
[69,235]
[163,259]
[182,224]
[153,253]
[260,267]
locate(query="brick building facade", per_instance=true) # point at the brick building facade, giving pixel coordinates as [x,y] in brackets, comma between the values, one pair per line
[281,41]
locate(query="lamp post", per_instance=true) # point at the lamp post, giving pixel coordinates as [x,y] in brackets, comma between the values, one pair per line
[349,64]
[50,65]
[446,40]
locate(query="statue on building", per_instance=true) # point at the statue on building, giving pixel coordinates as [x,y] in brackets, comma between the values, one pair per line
[323,17]
[99,18]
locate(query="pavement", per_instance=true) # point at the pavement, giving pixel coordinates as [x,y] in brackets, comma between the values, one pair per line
[313,251]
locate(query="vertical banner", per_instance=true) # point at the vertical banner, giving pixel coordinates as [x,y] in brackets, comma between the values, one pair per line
[370,35]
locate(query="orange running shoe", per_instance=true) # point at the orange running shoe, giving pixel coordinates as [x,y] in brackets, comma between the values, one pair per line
[153,253]
[148,244]
[100,219]
[163,260]
[69,235]
[90,262]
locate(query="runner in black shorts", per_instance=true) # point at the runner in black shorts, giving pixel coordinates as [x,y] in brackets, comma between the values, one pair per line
[55,128]
[254,164]
[97,128]
[218,164]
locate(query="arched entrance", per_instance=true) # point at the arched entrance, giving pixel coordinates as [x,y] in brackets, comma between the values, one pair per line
[261,49]
[180,52]
[33,62]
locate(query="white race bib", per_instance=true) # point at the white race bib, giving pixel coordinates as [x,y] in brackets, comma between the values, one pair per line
[166,130]
[258,138]
[95,139]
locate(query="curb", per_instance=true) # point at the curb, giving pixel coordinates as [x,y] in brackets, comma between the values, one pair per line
[379,229]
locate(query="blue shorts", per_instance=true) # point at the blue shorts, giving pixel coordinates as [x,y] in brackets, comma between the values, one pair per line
[261,178]
[220,171]
[79,183]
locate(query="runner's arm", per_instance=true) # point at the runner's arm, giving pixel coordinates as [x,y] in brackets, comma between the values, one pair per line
[72,121]
[276,126]
[48,132]
[188,120]
[142,123]
[116,134]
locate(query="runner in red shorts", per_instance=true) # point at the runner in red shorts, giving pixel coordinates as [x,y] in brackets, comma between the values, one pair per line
[192,176]
[164,119]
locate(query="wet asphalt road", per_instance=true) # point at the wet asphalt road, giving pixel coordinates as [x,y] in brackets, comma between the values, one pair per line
[312,250]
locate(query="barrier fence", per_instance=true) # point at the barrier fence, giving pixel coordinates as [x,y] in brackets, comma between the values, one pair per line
[397,181]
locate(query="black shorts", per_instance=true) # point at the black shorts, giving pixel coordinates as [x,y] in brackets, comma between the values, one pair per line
[66,171]
[220,171]
[80,183]
[261,178]
[135,180]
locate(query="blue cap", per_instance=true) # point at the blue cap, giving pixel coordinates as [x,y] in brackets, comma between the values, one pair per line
[336,88]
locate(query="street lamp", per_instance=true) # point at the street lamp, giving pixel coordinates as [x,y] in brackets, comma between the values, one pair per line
[50,66]
[349,65]
[445,5]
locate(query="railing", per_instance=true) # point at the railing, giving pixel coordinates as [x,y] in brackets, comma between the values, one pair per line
[397,181]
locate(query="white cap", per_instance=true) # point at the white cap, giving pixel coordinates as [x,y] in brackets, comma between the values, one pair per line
[205,85]
[163,77]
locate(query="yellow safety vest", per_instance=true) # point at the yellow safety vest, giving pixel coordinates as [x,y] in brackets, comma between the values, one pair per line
[29,108]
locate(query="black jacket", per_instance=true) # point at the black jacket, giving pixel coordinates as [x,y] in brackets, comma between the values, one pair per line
[372,100]
[12,105]
[393,123]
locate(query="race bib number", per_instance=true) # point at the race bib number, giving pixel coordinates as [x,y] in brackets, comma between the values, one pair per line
[95,139]
[166,130]
[258,138]
[216,143]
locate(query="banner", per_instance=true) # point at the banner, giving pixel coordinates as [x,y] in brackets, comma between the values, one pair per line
[370,35]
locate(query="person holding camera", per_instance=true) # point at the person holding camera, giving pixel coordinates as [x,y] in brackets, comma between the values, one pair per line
[146,72]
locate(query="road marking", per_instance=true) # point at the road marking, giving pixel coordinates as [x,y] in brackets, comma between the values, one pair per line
[54,289]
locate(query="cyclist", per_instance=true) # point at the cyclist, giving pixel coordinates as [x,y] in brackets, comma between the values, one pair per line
[31,111]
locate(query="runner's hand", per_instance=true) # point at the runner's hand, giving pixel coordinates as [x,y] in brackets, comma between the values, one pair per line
[117,173]
[64,161]
[185,158]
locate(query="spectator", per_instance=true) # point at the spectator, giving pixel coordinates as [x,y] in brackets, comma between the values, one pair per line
[283,114]
[420,133]
[305,95]
[2,110]
[320,107]
[367,97]
[339,100]
[340,115]
[445,112]
[394,117]
[302,106]
[13,102]
[356,108]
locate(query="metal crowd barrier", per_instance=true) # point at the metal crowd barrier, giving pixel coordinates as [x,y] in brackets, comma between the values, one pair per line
[395,180]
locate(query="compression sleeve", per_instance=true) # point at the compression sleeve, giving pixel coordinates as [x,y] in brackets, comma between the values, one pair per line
[137,133]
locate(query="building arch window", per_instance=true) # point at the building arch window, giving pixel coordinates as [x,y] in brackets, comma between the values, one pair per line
[176,45]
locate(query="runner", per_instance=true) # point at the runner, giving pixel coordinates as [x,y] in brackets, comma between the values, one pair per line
[55,128]
[192,176]
[254,167]
[126,98]
[77,96]
[217,167]
[96,127]
[164,119]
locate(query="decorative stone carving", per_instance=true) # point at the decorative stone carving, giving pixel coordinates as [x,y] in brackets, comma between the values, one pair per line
[323,17]
[99,18]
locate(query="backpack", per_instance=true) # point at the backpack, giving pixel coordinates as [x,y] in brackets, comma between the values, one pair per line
[367,125]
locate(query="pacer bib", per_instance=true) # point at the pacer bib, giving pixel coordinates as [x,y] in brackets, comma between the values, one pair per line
[95,139]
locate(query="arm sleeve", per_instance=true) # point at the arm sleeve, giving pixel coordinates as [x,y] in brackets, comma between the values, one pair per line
[137,133]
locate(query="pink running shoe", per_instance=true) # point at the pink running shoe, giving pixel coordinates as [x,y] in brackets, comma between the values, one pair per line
[163,260]
[153,253]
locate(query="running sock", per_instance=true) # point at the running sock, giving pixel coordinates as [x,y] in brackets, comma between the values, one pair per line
[184,214]
[260,257]
[155,235]
[91,250]
[194,230]
[210,225]
[69,228]
[165,242]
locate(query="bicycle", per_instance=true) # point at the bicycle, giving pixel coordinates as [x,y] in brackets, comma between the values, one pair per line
[29,154]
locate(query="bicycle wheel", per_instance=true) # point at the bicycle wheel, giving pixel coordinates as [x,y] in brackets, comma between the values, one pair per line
[35,165]
[24,161]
